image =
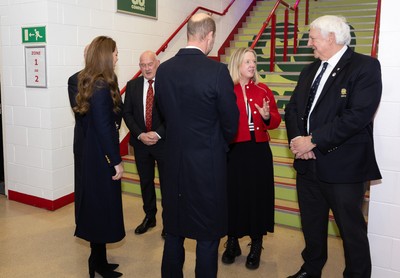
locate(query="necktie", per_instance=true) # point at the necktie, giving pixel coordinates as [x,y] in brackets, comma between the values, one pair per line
[149,105]
[313,92]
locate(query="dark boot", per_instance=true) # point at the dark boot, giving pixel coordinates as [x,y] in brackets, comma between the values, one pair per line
[232,250]
[97,264]
[253,259]
[103,258]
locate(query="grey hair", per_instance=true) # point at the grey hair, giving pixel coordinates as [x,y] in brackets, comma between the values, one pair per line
[333,24]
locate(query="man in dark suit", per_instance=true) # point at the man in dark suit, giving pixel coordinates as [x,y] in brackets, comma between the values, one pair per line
[331,137]
[147,135]
[198,103]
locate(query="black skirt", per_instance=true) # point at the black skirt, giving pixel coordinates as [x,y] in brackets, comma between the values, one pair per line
[251,195]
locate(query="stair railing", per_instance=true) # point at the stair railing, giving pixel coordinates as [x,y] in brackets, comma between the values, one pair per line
[375,39]
[124,142]
[164,46]
[272,18]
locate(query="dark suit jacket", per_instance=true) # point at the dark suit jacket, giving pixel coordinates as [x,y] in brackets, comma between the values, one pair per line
[342,120]
[133,112]
[197,100]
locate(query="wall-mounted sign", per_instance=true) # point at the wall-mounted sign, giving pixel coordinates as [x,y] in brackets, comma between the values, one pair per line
[35,66]
[34,34]
[147,8]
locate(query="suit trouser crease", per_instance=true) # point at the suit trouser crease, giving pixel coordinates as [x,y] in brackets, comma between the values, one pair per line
[345,201]
[174,257]
[145,163]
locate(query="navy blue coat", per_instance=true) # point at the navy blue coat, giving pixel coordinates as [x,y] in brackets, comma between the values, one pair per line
[342,119]
[78,143]
[195,95]
[99,218]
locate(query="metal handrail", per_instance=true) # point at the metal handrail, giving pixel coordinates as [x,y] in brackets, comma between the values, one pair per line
[124,142]
[164,46]
[375,39]
[272,16]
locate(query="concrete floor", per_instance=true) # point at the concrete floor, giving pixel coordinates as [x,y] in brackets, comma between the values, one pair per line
[39,243]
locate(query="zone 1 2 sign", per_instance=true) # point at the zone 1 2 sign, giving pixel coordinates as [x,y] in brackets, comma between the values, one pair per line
[35,66]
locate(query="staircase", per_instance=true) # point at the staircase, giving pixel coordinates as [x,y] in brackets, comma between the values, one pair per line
[361,17]
[130,179]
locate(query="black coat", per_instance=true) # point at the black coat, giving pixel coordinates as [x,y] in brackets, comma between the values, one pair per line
[100,217]
[342,119]
[78,140]
[72,92]
[195,95]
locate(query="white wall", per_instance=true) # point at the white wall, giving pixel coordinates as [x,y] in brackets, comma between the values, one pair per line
[38,123]
[384,208]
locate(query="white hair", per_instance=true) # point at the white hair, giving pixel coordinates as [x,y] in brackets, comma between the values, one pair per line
[333,24]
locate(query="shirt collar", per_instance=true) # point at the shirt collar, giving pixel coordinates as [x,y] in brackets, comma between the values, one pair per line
[194,47]
[335,58]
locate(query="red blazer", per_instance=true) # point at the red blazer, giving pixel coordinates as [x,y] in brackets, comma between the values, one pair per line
[255,94]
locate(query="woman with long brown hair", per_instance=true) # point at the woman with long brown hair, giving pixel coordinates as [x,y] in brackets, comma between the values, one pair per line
[99,218]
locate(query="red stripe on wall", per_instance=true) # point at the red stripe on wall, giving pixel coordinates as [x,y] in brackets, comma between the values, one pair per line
[40,202]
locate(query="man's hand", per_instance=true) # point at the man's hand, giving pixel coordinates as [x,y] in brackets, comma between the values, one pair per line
[306,156]
[301,147]
[149,138]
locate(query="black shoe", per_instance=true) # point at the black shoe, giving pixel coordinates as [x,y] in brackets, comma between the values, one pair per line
[111,266]
[98,264]
[232,250]
[163,234]
[253,259]
[101,255]
[145,225]
[301,274]
[104,272]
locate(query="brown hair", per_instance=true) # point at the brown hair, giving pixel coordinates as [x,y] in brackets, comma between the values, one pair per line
[98,73]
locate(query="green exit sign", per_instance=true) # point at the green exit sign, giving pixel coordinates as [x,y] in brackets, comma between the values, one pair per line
[33,34]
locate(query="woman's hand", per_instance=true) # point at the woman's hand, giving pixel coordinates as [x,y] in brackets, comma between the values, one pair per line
[264,110]
[119,170]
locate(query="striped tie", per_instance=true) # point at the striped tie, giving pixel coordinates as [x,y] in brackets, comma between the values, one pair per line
[313,92]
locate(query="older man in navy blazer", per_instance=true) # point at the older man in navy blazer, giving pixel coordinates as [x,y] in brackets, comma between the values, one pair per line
[331,137]
[196,98]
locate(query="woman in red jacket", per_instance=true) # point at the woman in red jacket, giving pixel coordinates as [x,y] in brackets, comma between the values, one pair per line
[250,169]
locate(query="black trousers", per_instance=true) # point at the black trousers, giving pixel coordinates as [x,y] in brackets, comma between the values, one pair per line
[174,258]
[146,158]
[345,200]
